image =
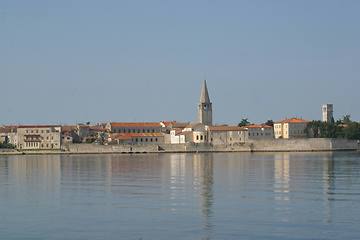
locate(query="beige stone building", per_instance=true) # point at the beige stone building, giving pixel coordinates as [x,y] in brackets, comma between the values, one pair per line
[290,128]
[259,131]
[227,135]
[39,137]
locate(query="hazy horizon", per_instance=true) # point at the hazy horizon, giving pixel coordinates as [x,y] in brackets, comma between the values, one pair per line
[78,61]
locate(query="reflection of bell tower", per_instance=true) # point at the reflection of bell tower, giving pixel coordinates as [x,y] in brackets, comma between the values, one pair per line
[205,107]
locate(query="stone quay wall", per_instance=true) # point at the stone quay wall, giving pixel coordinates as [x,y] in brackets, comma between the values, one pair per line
[273,145]
[278,145]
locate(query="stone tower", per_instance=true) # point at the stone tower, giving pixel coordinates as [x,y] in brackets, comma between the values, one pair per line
[327,113]
[205,106]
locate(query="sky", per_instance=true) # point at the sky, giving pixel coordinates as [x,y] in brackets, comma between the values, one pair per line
[98,61]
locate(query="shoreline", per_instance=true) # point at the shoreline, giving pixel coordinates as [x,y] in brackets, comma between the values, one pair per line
[294,145]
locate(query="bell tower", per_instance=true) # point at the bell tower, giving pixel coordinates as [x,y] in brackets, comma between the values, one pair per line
[205,106]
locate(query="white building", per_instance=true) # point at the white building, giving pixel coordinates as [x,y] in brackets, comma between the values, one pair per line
[39,137]
[290,128]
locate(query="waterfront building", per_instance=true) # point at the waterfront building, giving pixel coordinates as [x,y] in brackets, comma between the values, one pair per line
[139,127]
[69,134]
[39,137]
[327,113]
[196,133]
[227,135]
[136,138]
[177,136]
[205,107]
[259,131]
[9,134]
[290,128]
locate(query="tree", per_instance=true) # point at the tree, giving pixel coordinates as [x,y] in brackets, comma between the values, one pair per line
[244,122]
[269,123]
[346,119]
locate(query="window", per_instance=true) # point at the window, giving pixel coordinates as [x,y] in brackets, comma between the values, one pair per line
[156,139]
[151,139]
[201,137]
[197,137]
[141,139]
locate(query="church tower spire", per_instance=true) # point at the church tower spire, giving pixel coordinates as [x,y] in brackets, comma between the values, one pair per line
[205,106]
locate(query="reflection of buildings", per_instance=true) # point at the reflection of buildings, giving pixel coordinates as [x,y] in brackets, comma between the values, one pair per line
[282,176]
[329,185]
[30,173]
[192,175]
[203,171]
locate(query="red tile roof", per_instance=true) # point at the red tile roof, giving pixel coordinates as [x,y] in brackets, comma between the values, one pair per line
[135,124]
[293,120]
[258,126]
[226,128]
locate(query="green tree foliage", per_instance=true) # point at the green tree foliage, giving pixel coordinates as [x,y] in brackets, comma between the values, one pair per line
[269,123]
[342,128]
[244,122]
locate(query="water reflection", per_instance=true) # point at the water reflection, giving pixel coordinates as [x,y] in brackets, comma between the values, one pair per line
[282,176]
[203,168]
[329,186]
[193,196]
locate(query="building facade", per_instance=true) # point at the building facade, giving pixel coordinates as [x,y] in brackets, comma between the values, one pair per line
[39,137]
[259,131]
[290,128]
[8,134]
[227,135]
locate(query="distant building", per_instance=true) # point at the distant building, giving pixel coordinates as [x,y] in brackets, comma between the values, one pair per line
[196,133]
[9,134]
[177,136]
[290,128]
[205,107]
[141,132]
[259,131]
[227,135]
[136,138]
[139,127]
[39,137]
[327,113]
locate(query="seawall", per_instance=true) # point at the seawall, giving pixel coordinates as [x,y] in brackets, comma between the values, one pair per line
[278,145]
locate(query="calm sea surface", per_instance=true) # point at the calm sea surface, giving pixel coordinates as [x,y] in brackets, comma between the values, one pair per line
[181,196]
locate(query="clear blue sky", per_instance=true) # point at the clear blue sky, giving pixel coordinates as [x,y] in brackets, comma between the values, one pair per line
[82,60]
